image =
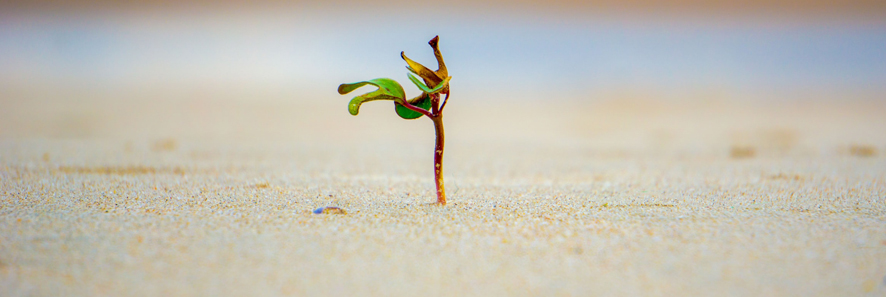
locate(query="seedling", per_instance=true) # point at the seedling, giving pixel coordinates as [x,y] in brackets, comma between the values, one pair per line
[436,84]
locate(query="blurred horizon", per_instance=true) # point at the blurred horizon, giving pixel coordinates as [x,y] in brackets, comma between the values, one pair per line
[814,8]
[493,48]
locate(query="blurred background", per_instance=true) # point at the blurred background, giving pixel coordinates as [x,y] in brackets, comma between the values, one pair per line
[577,69]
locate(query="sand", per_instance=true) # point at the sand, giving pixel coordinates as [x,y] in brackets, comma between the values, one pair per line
[611,196]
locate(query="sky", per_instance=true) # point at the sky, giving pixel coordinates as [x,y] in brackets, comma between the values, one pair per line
[491,48]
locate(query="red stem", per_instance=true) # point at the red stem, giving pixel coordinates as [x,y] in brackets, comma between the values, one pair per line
[444,102]
[416,108]
[438,160]
[437,117]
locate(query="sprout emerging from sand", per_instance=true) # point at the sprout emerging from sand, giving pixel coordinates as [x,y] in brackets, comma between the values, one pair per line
[434,84]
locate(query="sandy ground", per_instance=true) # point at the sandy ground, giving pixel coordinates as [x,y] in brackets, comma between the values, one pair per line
[614,195]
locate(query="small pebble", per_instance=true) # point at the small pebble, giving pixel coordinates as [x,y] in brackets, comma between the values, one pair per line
[330,210]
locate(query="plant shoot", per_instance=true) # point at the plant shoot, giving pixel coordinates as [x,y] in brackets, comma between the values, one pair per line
[433,84]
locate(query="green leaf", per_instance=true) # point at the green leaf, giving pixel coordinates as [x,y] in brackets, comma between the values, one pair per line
[388,89]
[425,88]
[387,85]
[423,102]
[347,88]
